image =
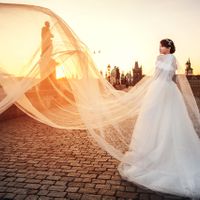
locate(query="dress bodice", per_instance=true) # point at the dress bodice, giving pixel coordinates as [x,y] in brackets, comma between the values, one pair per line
[165,67]
[166,61]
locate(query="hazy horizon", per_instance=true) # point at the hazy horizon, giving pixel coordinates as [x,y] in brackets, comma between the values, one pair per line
[128,31]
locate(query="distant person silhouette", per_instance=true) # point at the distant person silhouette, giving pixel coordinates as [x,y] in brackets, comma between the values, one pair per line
[46,35]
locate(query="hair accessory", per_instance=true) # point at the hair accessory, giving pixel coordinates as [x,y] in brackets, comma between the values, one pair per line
[169,42]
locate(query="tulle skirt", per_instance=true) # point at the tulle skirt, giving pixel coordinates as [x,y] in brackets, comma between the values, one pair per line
[164,152]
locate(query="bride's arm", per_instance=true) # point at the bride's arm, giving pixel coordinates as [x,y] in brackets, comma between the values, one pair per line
[175,67]
[174,78]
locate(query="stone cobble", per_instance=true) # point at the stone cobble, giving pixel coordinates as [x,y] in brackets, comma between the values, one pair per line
[44,163]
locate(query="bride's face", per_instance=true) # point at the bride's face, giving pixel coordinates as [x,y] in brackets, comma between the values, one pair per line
[164,50]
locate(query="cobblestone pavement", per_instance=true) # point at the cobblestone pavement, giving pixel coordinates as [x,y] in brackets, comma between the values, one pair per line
[41,162]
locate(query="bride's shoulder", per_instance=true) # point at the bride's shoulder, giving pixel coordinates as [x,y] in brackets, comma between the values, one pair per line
[164,56]
[172,55]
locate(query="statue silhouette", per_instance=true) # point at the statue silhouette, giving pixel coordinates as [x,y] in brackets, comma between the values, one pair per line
[46,35]
[46,56]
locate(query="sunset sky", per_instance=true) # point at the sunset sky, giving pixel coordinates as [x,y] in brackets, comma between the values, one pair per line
[128,30]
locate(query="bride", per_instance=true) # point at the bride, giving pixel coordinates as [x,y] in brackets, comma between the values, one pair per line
[164,153]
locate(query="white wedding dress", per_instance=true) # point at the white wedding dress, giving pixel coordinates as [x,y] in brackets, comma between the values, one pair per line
[164,153]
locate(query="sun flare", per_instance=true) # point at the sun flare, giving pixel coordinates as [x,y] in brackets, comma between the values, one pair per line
[60,72]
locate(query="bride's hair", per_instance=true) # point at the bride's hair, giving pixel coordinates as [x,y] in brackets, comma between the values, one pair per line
[168,43]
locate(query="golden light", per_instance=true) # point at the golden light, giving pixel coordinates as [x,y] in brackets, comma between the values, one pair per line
[60,72]
[66,72]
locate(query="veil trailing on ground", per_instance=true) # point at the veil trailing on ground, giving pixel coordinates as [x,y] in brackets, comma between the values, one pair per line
[47,72]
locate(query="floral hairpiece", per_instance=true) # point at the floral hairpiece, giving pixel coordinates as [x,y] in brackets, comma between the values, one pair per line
[169,42]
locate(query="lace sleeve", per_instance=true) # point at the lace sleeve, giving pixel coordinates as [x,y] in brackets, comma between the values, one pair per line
[165,69]
[175,67]
[174,63]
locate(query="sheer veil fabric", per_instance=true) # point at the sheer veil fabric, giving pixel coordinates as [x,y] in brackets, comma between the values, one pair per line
[48,72]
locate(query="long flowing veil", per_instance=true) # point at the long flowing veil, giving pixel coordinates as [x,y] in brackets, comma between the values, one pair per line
[189,99]
[47,72]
